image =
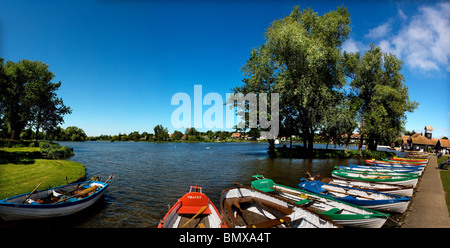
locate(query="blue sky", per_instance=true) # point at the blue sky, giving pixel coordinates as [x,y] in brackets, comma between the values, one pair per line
[120,62]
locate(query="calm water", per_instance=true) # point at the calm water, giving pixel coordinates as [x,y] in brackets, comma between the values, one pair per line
[150,176]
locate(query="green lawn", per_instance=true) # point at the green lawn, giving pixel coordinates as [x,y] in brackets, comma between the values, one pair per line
[22,169]
[445,178]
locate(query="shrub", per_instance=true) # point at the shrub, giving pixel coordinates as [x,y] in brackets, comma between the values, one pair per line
[55,151]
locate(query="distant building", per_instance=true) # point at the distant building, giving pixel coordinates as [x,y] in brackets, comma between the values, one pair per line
[235,135]
[420,142]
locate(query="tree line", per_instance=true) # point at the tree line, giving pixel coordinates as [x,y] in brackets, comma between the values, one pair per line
[324,90]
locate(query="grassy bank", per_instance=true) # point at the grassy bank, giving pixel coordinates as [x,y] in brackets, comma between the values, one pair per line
[22,169]
[445,178]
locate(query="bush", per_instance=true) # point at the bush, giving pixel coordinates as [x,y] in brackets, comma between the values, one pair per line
[55,151]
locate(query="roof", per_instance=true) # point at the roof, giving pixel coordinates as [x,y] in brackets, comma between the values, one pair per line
[235,135]
[429,128]
[445,143]
[405,138]
[422,140]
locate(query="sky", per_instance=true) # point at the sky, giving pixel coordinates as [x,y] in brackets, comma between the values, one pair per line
[121,62]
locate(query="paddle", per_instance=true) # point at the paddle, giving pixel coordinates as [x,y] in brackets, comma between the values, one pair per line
[34,190]
[199,212]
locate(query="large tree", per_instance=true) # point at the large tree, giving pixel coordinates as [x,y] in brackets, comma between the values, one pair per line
[29,97]
[301,60]
[377,81]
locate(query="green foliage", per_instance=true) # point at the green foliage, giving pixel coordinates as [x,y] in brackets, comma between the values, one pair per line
[28,98]
[55,151]
[161,133]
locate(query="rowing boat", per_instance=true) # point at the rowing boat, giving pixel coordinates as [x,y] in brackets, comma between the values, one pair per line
[365,198]
[248,207]
[409,159]
[393,162]
[376,171]
[394,189]
[54,202]
[193,210]
[380,169]
[342,213]
[391,179]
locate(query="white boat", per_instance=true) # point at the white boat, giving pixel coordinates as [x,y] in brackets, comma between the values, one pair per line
[390,179]
[395,189]
[364,198]
[247,207]
[55,202]
[344,214]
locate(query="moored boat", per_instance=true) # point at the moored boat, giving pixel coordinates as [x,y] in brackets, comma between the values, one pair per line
[54,202]
[393,162]
[342,213]
[410,159]
[381,169]
[375,171]
[394,189]
[248,207]
[365,198]
[394,179]
[193,210]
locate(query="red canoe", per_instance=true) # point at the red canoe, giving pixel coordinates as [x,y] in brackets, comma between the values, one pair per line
[193,210]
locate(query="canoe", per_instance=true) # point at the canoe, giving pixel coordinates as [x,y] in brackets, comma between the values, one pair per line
[344,214]
[393,162]
[252,208]
[373,171]
[380,169]
[54,202]
[361,197]
[396,179]
[394,189]
[193,210]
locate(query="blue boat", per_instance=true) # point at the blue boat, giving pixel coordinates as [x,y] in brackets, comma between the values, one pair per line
[366,198]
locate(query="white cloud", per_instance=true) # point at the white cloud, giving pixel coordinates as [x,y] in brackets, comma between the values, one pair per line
[352,46]
[424,41]
[379,31]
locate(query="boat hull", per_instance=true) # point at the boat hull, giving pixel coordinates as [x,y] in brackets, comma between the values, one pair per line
[10,209]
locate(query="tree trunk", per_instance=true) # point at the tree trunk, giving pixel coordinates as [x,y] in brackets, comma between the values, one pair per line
[271,151]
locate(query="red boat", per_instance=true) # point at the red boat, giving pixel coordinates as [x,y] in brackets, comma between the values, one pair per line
[193,210]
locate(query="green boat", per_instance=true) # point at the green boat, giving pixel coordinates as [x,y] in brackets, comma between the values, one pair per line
[383,178]
[342,213]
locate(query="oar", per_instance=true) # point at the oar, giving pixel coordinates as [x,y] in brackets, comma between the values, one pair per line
[199,212]
[350,194]
[235,203]
[34,190]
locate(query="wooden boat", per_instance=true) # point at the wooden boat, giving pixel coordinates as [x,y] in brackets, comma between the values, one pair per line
[394,189]
[381,169]
[193,210]
[393,162]
[394,179]
[365,198]
[54,202]
[342,213]
[415,167]
[374,171]
[252,208]
[409,159]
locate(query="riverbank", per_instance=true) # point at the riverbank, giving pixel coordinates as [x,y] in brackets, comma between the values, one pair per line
[23,168]
[299,152]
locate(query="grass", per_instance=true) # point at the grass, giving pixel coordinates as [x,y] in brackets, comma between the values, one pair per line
[22,169]
[445,178]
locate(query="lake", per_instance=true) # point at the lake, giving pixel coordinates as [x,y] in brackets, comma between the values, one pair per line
[151,176]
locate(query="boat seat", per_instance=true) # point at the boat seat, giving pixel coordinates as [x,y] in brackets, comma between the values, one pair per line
[265,185]
[301,202]
[192,210]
